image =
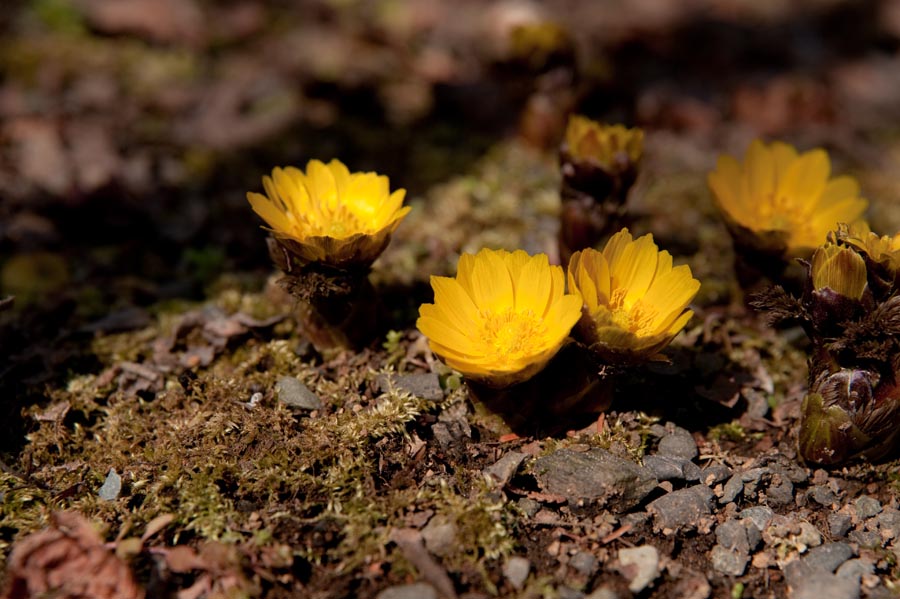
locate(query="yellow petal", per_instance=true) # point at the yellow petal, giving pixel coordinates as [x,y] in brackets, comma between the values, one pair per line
[491,286]
[455,302]
[533,284]
[269,213]
[443,333]
[805,178]
[759,170]
[838,190]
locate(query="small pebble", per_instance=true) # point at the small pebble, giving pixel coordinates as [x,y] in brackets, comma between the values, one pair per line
[839,524]
[112,486]
[585,563]
[516,570]
[529,506]
[732,489]
[889,523]
[828,557]
[732,535]
[855,569]
[440,536]
[296,395]
[664,467]
[639,565]
[416,590]
[426,385]
[682,508]
[692,472]
[865,538]
[564,592]
[825,586]
[678,445]
[603,593]
[781,493]
[728,561]
[714,474]
[809,535]
[867,507]
[760,515]
[822,495]
[505,468]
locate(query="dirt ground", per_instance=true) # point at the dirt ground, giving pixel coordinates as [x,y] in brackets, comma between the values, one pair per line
[166,428]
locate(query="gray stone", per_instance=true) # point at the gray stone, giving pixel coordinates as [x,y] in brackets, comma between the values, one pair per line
[664,468]
[440,536]
[658,430]
[889,523]
[416,590]
[760,515]
[112,486]
[442,435]
[692,472]
[825,586]
[426,385]
[839,524]
[855,569]
[682,508]
[780,493]
[822,494]
[516,570]
[732,489]
[714,474]
[505,468]
[595,476]
[529,506]
[867,507]
[295,394]
[732,535]
[583,562]
[865,538]
[753,475]
[678,445]
[639,565]
[809,535]
[728,561]
[565,592]
[603,593]
[828,557]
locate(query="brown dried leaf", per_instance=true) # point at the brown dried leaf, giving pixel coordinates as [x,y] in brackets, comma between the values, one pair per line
[68,561]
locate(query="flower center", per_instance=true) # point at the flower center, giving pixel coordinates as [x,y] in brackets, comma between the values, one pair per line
[511,334]
[785,214]
[636,319]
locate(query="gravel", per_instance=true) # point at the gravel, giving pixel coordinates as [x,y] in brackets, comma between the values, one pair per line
[295,394]
[664,467]
[683,508]
[505,468]
[639,565]
[112,486]
[679,444]
[839,524]
[594,477]
[416,590]
[516,571]
[866,507]
[426,385]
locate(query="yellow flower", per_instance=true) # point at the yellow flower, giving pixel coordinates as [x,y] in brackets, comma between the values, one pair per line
[502,318]
[634,299]
[612,147]
[840,269]
[777,191]
[881,250]
[328,215]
